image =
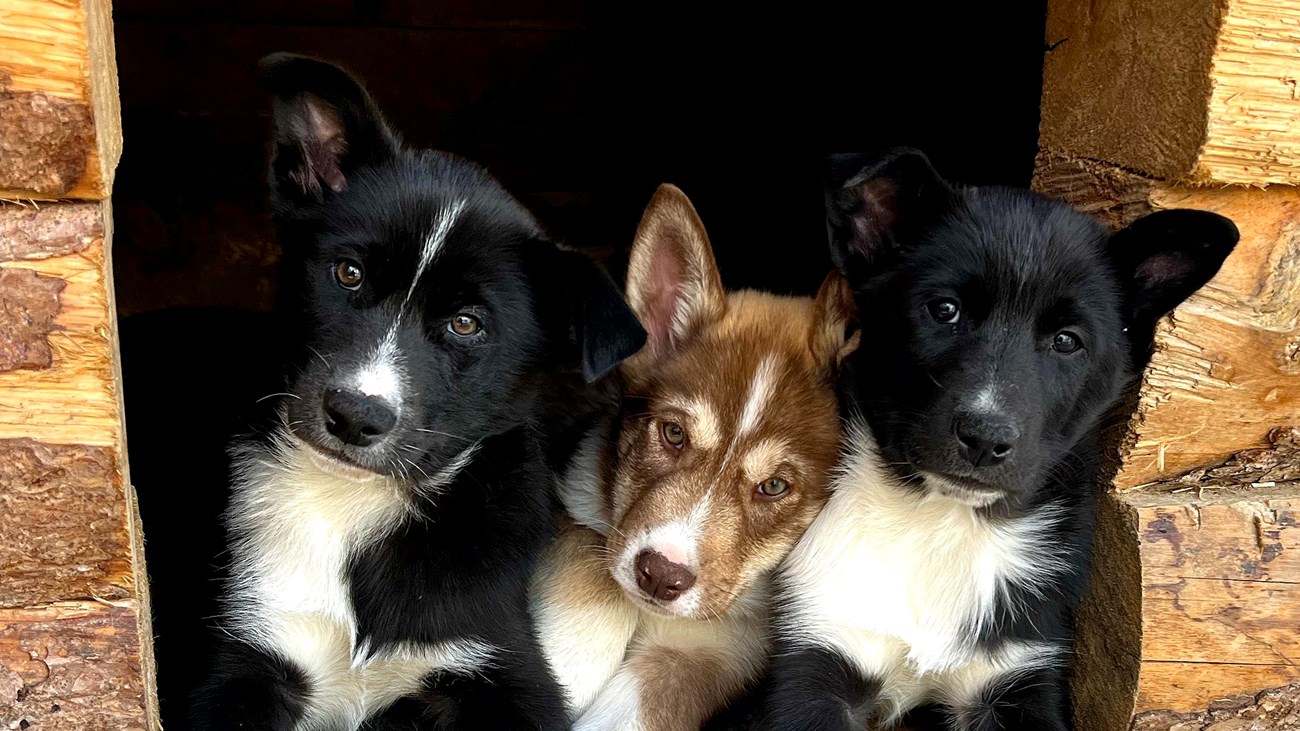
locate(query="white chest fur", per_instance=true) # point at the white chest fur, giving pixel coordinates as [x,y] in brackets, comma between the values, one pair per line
[295,520]
[900,581]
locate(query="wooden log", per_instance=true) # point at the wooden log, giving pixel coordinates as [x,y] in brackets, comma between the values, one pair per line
[75,631]
[72,666]
[1226,368]
[1200,91]
[60,131]
[1196,599]
[75,399]
[1275,709]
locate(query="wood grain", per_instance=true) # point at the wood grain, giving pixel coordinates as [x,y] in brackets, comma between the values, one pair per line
[41,231]
[75,400]
[1274,709]
[72,548]
[28,305]
[1220,594]
[1253,131]
[1226,368]
[1200,91]
[1109,631]
[66,525]
[72,666]
[60,134]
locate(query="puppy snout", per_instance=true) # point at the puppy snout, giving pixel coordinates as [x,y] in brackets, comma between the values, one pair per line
[985,439]
[660,578]
[355,418]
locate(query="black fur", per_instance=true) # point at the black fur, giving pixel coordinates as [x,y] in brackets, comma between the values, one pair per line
[252,689]
[552,325]
[1021,270]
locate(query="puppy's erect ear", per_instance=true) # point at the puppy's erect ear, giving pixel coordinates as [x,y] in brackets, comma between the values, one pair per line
[838,330]
[876,210]
[605,332]
[1164,257]
[673,283]
[326,127]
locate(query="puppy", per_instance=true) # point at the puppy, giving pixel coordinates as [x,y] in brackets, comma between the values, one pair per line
[652,609]
[948,563]
[383,530]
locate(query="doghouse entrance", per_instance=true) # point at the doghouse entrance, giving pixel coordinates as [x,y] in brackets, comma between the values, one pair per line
[581,109]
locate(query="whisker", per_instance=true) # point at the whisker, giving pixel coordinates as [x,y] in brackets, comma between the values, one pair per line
[322,358]
[444,434]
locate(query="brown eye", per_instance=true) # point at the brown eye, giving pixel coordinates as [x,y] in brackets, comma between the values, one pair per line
[674,434]
[348,274]
[773,487]
[464,325]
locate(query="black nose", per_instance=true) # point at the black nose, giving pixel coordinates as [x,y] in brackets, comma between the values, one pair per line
[661,578]
[355,418]
[985,439]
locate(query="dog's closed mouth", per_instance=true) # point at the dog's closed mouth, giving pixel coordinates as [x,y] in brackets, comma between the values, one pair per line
[964,489]
[966,483]
[334,462]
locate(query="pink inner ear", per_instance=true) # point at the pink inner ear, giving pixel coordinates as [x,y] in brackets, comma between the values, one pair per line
[323,145]
[881,199]
[664,285]
[1163,268]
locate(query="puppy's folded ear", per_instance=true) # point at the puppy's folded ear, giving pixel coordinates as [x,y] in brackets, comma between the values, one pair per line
[673,284]
[880,207]
[1163,257]
[838,328]
[326,128]
[604,330]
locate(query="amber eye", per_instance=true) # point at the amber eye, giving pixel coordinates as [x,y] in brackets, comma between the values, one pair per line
[348,274]
[773,487]
[464,325]
[674,434]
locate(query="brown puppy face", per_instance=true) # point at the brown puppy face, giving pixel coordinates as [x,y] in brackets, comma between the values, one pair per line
[731,423]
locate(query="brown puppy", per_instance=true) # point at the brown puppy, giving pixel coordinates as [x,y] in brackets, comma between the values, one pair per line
[652,609]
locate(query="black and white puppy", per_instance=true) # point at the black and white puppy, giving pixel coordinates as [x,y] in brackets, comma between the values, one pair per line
[999,328]
[383,531]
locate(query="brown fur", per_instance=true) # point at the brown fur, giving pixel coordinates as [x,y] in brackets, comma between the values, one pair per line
[750,378]
[707,354]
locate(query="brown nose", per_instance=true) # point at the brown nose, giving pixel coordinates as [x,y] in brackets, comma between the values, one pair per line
[661,578]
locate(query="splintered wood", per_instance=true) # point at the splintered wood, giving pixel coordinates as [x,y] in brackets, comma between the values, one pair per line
[60,132]
[1191,90]
[1226,368]
[1196,602]
[75,637]
[1193,622]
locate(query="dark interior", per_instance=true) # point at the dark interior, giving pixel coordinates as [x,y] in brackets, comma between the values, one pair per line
[580,107]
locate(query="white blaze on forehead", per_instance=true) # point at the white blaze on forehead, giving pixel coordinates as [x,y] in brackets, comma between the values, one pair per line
[760,392]
[381,375]
[433,243]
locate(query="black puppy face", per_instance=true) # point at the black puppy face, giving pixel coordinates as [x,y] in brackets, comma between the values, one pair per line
[431,306]
[998,326]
